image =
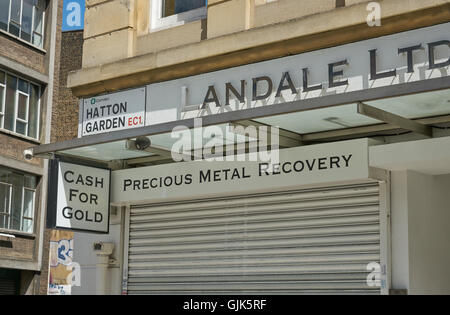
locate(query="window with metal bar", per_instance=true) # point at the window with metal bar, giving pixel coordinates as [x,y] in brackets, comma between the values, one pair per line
[5,205]
[19,105]
[17,200]
[24,19]
[2,97]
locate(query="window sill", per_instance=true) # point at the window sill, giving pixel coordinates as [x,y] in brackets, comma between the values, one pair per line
[16,233]
[23,41]
[18,135]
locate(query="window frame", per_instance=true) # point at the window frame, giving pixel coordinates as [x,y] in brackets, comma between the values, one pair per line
[19,25]
[33,31]
[10,20]
[3,103]
[27,108]
[22,212]
[8,214]
[16,107]
[158,22]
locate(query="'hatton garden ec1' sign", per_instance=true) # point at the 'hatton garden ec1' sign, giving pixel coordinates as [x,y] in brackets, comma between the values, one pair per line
[117,111]
[79,197]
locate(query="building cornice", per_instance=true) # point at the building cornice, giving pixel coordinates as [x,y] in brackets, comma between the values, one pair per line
[338,27]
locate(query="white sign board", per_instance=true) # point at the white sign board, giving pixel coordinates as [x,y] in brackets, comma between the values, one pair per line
[117,111]
[79,197]
[297,167]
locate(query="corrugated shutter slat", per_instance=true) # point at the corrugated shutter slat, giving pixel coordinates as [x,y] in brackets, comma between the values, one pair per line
[8,287]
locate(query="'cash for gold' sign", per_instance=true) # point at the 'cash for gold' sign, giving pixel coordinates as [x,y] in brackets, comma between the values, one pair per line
[78,197]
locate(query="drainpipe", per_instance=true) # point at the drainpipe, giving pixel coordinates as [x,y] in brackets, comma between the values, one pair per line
[103,252]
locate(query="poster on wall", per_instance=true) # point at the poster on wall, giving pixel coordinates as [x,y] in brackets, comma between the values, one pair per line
[78,197]
[60,263]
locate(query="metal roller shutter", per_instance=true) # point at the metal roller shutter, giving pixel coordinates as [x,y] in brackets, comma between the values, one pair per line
[305,241]
[8,286]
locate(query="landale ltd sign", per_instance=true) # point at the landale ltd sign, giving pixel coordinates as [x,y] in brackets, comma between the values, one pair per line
[336,77]
[407,57]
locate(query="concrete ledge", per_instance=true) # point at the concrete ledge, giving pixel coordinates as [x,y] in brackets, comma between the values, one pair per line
[23,70]
[283,10]
[20,265]
[23,166]
[168,38]
[430,156]
[336,27]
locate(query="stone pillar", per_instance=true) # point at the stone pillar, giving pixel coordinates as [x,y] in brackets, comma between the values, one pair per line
[109,32]
[229,16]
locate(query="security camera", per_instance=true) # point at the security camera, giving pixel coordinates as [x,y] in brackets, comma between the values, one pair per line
[28,154]
[98,246]
[102,248]
[142,143]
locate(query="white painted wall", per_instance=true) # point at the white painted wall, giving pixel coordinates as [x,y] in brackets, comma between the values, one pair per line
[420,207]
[429,233]
[427,156]
[85,255]
[399,230]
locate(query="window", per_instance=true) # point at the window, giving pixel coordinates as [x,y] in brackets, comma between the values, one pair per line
[171,7]
[169,13]
[17,200]
[24,19]
[19,105]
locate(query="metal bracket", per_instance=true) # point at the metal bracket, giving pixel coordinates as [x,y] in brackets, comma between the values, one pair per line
[286,138]
[394,120]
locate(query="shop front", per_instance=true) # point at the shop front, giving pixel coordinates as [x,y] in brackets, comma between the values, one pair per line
[298,175]
[308,226]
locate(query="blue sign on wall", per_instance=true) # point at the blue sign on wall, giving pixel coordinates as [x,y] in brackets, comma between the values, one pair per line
[73,15]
